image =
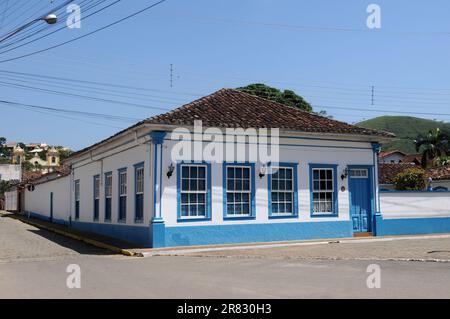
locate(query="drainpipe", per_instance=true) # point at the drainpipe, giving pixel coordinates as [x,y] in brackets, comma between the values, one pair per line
[376,147]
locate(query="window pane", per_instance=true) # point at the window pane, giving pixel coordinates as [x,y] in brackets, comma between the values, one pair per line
[185,172]
[193,171]
[201,172]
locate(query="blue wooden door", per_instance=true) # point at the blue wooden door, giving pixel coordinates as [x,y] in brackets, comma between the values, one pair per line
[360,198]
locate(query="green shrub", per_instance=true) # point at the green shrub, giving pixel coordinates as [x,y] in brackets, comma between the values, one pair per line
[411,179]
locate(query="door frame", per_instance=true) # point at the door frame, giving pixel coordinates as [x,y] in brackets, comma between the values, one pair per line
[371,179]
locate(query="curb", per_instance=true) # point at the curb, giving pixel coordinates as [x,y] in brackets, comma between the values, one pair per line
[86,240]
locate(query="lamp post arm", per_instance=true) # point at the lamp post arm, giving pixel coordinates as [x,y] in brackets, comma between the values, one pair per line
[14,32]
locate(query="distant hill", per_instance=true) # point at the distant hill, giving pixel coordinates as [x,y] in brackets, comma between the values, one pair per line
[406,128]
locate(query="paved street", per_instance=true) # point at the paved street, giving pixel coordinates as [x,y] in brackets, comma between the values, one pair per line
[33,265]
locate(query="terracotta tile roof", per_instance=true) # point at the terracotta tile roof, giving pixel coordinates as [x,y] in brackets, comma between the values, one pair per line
[439,173]
[232,108]
[413,158]
[384,154]
[387,172]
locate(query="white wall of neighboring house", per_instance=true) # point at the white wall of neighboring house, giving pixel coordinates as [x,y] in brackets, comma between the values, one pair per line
[10,172]
[397,205]
[38,201]
[11,200]
[392,158]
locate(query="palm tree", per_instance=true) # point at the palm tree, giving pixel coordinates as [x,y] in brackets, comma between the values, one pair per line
[432,146]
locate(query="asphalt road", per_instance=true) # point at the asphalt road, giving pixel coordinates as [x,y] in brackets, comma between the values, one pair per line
[33,265]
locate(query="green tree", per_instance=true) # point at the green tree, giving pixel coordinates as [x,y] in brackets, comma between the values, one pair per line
[5,186]
[63,152]
[410,179]
[4,151]
[432,146]
[286,97]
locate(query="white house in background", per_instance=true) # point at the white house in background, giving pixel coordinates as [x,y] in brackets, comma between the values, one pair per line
[132,185]
[392,157]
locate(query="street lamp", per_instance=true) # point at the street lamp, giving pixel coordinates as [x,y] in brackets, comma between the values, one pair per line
[49,19]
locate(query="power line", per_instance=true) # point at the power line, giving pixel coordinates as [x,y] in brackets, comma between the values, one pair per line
[85,35]
[72,112]
[54,31]
[97,83]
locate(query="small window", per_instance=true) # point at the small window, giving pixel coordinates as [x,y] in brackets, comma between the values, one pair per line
[139,193]
[194,191]
[53,159]
[122,195]
[323,191]
[96,197]
[359,173]
[238,185]
[77,199]
[108,195]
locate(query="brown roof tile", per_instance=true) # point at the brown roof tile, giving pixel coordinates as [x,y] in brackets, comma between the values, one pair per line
[387,172]
[232,108]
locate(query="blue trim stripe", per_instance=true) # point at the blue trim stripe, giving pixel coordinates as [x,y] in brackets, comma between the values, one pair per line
[254,232]
[410,226]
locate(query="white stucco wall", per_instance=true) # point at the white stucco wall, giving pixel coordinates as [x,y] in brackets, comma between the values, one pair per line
[10,172]
[414,204]
[11,200]
[136,147]
[123,153]
[38,201]
[302,151]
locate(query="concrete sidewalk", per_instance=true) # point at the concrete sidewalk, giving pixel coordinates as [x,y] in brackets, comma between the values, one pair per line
[96,240]
[432,248]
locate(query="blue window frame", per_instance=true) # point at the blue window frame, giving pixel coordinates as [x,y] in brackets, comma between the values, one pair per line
[193,191]
[323,190]
[239,190]
[283,190]
[77,198]
[139,193]
[122,184]
[96,197]
[108,196]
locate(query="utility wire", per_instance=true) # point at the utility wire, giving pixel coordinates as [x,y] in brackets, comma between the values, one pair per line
[52,32]
[72,112]
[85,35]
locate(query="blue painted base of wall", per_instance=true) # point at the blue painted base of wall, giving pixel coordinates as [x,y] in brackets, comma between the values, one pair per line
[157,233]
[247,233]
[137,235]
[411,226]
[46,218]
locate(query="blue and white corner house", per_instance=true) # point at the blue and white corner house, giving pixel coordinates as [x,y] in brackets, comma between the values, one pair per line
[324,185]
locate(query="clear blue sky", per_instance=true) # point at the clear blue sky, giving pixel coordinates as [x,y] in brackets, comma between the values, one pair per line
[333,62]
